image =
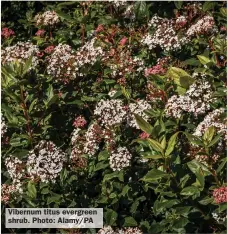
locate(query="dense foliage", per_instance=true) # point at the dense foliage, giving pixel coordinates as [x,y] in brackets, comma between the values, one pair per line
[117,105]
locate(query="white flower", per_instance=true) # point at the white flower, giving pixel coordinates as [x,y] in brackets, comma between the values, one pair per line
[213,119]
[137,108]
[20,52]
[45,161]
[3,126]
[120,159]
[196,100]
[110,112]
[47,18]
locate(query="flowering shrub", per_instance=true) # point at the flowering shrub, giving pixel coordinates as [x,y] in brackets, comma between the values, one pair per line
[116,105]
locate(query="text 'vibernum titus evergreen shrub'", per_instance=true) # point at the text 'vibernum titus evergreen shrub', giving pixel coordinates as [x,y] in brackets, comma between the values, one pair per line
[116,105]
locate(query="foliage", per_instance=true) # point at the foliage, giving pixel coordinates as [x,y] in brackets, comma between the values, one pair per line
[138,122]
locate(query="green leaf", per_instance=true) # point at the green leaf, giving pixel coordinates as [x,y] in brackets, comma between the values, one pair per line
[209,133]
[110,216]
[171,144]
[125,92]
[156,145]
[180,78]
[224,161]
[156,156]
[144,125]
[194,166]
[203,59]
[180,223]
[163,142]
[140,9]
[27,65]
[54,198]
[115,174]
[215,140]
[223,11]
[206,201]
[31,190]
[208,6]
[189,191]
[52,100]
[200,176]
[103,155]
[178,4]
[194,139]
[101,165]
[154,175]
[129,222]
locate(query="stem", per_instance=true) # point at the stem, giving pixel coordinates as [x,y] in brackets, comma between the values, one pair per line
[26,113]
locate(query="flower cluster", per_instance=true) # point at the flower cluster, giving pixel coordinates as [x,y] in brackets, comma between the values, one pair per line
[122,63]
[60,63]
[203,26]
[137,108]
[16,170]
[165,35]
[110,112]
[93,138]
[120,158]
[20,52]
[7,33]
[64,63]
[48,18]
[198,153]
[144,135]
[7,191]
[40,33]
[196,100]
[220,218]
[181,21]
[3,126]
[110,230]
[155,70]
[213,119]
[154,93]
[220,195]
[49,49]
[45,161]
[79,122]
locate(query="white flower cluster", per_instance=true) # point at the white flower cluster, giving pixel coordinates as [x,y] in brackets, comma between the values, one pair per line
[213,119]
[64,63]
[20,52]
[110,112]
[120,158]
[60,63]
[202,26]
[45,161]
[118,3]
[129,230]
[196,100]
[164,35]
[16,170]
[130,13]
[7,191]
[137,108]
[48,18]
[220,218]
[75,135]
[93,137]
[123,64]
[3,126]
[181,20]
[88,54]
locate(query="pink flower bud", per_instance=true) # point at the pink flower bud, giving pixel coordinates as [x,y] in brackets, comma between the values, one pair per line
[123,41]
